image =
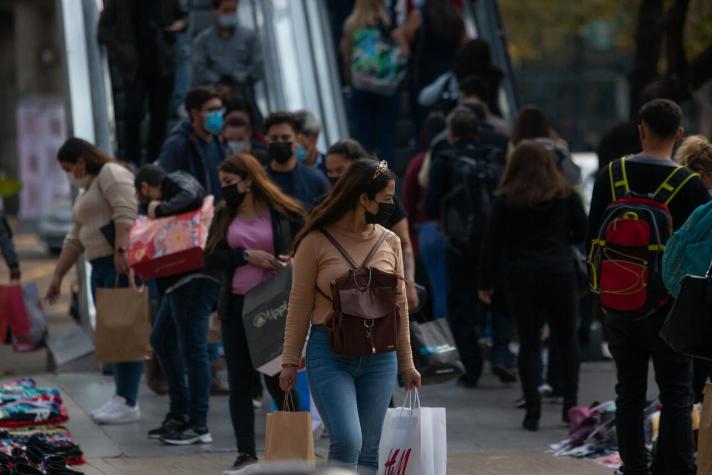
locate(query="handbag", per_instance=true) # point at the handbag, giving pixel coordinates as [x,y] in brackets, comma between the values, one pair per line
[365,314]
[434,352]
[688,327]
[123,324]
[264,315]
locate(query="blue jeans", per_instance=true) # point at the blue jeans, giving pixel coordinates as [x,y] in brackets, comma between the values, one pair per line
[433,249]
[375,118]
[352,395]
[127,376]
[180,341]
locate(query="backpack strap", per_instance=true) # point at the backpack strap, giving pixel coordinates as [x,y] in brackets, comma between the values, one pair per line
[672,184]
[339,248]
[375,248]
[619,179]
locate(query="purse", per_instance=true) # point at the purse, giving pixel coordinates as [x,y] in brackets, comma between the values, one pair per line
[688,327]
[366,316]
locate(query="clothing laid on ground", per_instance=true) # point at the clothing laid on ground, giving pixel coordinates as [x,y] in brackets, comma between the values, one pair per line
[110,197]
[184,151]
[237,56]
[633,343]
[305,184]
[317,263]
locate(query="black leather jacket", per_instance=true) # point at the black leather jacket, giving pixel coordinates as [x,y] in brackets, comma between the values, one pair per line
[180,193]
[225,259]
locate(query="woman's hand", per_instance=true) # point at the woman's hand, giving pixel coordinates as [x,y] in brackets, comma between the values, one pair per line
[53,290]
[288,378]
[412,379]
[486,296]
[120,263]
[412,294]
[263,259]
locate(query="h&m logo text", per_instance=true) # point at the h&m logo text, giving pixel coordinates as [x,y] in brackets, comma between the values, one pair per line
[397,462]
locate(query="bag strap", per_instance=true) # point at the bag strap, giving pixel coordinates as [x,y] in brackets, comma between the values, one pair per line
[619,178]
[375,248]
[340,248]
[672,184]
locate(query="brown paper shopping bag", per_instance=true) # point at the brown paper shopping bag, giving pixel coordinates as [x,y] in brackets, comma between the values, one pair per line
[123,324]
[289,436]
[704,440]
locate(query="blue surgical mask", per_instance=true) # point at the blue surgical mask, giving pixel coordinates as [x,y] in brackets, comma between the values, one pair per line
[301,153]
[213,123]
[228,21]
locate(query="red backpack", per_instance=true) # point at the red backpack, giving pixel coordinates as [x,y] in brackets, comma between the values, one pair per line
[625,260]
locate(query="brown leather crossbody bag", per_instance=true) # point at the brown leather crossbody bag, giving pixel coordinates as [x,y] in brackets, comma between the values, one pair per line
[365,315]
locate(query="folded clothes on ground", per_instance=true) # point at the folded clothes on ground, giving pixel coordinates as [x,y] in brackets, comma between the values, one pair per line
[51,440]
[22,403]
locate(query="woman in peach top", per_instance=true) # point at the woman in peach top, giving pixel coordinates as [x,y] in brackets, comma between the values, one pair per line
[351,393]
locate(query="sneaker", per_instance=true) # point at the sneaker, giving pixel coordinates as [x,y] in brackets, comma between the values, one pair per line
[118,413]
[189,436]
[242,464]
[172,423]
[108,405]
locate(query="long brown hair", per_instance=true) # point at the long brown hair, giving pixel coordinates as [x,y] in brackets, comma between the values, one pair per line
[532,177]
[263,190]
[75,148]
[363,176]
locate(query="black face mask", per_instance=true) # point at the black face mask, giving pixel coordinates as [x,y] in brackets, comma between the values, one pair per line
[280,152]
[333,180]
[385,211]
[232,195]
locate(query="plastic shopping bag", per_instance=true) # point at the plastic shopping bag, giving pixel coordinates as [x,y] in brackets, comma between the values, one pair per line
[36,329]
[413,440]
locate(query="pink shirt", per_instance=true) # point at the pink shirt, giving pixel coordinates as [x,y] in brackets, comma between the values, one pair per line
[250,234]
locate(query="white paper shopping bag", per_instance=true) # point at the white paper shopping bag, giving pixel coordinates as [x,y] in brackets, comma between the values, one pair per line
[413,440]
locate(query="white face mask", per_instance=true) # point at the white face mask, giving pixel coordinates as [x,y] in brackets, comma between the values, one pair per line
[78,182]
[238,146]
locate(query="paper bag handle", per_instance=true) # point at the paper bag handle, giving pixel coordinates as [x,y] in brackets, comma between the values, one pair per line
[132,281]
[288,403]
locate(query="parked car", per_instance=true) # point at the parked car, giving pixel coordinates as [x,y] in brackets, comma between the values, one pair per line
[54,224]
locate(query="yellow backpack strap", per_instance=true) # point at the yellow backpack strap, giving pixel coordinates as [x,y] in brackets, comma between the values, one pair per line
[672,184]
[619,179]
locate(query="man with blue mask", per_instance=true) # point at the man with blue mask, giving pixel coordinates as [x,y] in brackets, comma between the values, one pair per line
[196,146]
[227,50]
[309,128]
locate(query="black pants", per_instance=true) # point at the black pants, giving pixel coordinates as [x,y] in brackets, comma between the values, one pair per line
[241,377]
[535,299]
[158,91]
[464,312]
[633,344]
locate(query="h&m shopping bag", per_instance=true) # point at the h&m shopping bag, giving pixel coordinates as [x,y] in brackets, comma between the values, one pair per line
[123,324]
[289,435]
[413,440]
[33,329]
[172,245]
[264,314]
[704,439]
[434,351]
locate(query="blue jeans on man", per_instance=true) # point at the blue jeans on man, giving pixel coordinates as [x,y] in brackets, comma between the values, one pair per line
[180,341]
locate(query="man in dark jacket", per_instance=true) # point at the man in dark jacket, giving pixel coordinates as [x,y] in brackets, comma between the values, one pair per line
[180,330]
[635,342]
[464,310]
[140,38]
[195,145]
[303,183]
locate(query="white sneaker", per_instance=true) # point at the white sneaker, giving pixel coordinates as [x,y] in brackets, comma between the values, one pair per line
[118,413]
[106,406]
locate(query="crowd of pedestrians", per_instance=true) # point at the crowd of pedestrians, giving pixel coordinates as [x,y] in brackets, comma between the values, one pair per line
[489,221]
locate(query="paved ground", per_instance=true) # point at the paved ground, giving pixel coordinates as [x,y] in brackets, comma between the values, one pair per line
[484,435]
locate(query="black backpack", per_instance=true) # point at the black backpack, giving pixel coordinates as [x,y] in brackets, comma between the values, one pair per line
[467,207]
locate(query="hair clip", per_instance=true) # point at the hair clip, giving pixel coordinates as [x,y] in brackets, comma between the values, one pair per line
[381,168]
